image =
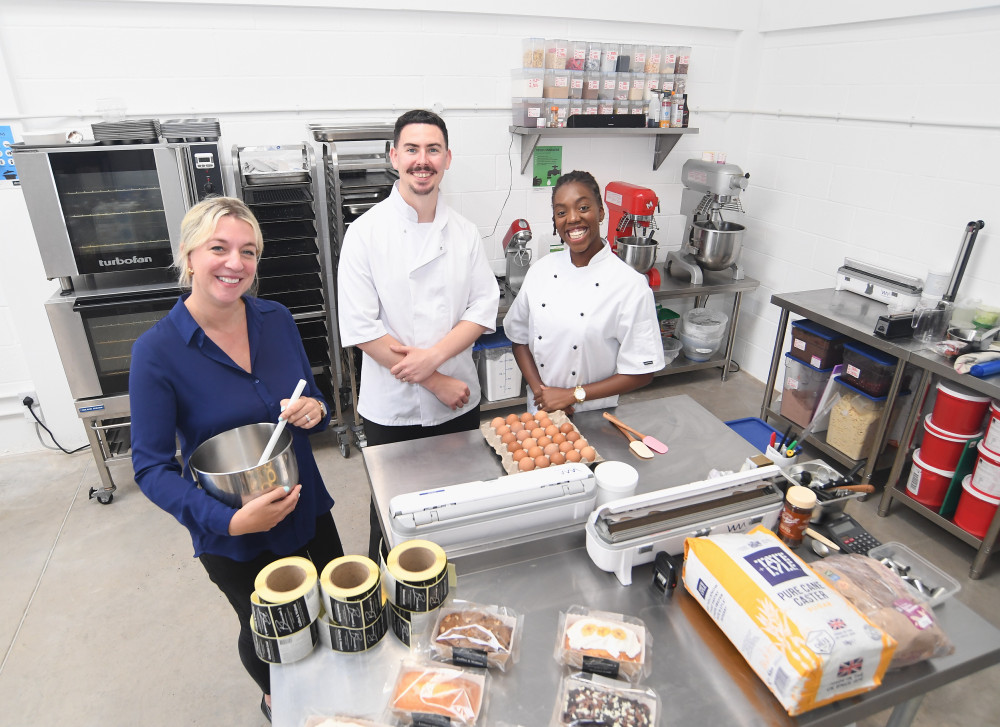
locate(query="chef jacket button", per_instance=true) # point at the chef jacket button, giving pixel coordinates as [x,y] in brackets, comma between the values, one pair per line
[581,314]
[539,338]
[574,348]
[256,381]
[597,285]
[543,305]
[573,373]
[542,365]
[555,276]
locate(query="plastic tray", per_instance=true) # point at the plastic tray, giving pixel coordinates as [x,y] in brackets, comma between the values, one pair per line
[754,430]
[929,574]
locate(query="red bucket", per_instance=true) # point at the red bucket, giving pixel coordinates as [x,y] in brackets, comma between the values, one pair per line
[975,510]
[927,485]
[992,440]
[986,475]
[957,411]
[942,449]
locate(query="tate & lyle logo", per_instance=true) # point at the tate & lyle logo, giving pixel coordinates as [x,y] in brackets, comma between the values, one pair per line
[116,261]
[775,565]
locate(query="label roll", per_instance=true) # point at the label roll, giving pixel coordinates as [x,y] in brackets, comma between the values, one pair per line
[285,649]
[416,576]
[286,599]
[349,640]
[352,592]
[399,621]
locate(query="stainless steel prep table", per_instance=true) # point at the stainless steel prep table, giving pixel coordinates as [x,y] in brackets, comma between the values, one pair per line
[855,316]
[698,674]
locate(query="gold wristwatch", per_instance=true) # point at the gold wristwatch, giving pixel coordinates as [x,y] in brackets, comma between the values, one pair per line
[322,409]
[580,394]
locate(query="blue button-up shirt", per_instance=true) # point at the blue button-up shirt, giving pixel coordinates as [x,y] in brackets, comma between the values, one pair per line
[182,386]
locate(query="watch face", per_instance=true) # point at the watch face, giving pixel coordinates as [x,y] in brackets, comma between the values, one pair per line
[579,394]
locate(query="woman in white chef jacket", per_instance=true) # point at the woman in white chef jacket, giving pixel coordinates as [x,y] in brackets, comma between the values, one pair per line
[583,325]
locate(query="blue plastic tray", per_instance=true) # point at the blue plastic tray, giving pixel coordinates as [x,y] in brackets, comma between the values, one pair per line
[754,430]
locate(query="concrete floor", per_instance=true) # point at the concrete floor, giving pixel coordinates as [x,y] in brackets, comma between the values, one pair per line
[106,619]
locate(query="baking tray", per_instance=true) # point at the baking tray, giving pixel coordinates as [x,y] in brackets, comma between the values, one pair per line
[278,195]
[283,177]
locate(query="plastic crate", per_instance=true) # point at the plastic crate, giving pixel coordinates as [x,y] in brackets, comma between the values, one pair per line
[928,574]
[499,374]
[802,389]
[868,369]
[817,345]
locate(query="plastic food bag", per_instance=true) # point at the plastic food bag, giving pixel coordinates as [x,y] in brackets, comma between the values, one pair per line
[340,721]
[890,604]
[473,635]
[586,699]
[608,644]
[456,694]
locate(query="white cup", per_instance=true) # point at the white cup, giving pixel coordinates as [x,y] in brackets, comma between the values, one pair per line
[615,480]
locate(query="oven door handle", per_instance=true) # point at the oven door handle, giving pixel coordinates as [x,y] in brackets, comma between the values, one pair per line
[93,303]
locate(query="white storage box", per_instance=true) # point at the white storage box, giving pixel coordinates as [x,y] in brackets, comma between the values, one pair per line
[499,374]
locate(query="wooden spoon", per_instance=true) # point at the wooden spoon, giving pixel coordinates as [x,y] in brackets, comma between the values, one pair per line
[654,444]
[639,449]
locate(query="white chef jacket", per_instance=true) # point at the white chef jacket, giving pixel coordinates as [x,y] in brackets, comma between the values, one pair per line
[415,287]
[585,324]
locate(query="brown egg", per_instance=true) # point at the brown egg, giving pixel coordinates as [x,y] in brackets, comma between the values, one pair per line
[558,458]
[511,418]
[571,436]
[550,449]
[538,432]
[573,456]
[541,462]
[522,435]
[551,430]
[545,423]
[516,427]
[536,452]
[519,455]
[508,438]
[566,428]
[529,442]
[514,446]
[526,464]
[527,417]
[543,442]
[559,438]
[589,454]
[566,447]
[541,414]
[580,443]
[502,430]
[496,423]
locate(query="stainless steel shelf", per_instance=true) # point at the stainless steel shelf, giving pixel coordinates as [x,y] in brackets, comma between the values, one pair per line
[666,139]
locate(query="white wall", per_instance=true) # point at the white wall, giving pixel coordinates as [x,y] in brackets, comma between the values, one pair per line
[820,188]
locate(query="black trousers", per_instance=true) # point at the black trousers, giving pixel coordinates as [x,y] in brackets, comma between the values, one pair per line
[380,434]
[235,579]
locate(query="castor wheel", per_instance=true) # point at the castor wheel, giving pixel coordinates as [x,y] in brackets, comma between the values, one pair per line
[103,496]
[345,450]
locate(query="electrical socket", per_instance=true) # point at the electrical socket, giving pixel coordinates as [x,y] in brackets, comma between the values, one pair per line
[36,406]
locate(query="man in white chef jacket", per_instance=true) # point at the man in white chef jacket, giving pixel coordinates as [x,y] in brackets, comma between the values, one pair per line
[415,291]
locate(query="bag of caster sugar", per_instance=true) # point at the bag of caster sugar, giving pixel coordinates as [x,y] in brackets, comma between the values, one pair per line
[807,643]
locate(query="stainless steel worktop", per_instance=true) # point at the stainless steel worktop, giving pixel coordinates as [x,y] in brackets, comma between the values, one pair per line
[699,676]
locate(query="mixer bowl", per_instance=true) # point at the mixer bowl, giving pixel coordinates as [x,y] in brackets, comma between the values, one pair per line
[226,465]
[639,253]
[717,245]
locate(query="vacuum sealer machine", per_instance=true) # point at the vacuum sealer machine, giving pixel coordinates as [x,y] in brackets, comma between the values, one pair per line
[631,531]
[460,517]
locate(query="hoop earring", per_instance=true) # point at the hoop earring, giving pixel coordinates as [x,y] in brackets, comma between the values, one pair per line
[190,271]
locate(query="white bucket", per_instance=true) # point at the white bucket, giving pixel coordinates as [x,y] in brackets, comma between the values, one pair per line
[615,481]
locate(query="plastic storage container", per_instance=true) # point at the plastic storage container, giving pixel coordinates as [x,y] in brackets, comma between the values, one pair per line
[975,509]
[928,484]
[499,374]
[803,387]
[817,345]
[854,420]
[928,574]
[867,368]
[754,430]
[701,332]
[958,410]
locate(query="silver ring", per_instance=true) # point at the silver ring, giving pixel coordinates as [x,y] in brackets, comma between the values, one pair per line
[308,419]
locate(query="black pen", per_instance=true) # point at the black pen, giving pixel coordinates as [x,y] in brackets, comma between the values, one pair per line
[784,437]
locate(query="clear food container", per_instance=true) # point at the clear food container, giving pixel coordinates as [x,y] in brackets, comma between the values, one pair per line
[555,53]
[576,55]
[639,54]
[868,369]
[556,84]
[817,345]
[940,585]
[576,80]
[526,83]
[624,58]
[533,53]
[637,87]
[854,421]
[803,387]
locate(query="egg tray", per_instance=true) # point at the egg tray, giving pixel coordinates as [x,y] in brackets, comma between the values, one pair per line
[506,456]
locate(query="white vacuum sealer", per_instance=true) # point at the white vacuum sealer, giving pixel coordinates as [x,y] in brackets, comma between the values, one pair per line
[886,286]
[631,531]
[458,517]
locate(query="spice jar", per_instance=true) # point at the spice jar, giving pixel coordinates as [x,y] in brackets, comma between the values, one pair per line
[533,55]
[795,515]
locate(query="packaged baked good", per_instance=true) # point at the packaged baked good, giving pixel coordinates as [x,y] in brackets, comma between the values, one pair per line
[890,604]
[438,690]
[588,699]
[473,635]
[598,642]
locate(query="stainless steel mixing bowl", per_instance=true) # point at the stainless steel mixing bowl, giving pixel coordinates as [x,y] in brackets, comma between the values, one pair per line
[718,244]
[638,252]
[226,465]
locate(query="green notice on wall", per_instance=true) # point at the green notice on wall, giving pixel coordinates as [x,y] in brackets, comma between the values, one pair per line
[547,167]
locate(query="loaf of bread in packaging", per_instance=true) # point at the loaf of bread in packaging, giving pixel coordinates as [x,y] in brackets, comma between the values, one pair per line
[461,634]
[446,692]
[807,643]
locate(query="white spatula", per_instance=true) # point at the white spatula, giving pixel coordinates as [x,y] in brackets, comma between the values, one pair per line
[281,424]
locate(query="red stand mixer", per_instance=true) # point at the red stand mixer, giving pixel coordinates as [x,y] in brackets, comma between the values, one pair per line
[631,225]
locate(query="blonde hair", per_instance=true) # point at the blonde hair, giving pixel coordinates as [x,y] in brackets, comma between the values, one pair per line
[199,225]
